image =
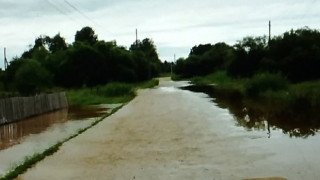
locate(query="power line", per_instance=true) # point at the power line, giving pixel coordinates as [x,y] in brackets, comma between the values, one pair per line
[81,13]
[61,11]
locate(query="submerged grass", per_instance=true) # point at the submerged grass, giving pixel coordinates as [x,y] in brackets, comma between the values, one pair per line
[32,160]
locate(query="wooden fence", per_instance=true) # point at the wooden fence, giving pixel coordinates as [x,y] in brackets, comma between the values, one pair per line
[18,108]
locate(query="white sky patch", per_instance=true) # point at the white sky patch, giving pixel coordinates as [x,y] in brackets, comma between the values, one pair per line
[175,26]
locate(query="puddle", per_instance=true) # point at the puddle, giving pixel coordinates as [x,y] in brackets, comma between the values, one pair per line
[12,134]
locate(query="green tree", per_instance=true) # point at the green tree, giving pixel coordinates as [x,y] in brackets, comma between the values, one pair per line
[32,78]
[83,66]
[86,35]
[146,55]
[205,59]
[57,43]
[248,56]
[200,50]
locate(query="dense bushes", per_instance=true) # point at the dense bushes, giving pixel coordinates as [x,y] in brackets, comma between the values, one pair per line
[115,89]
[31,77]
[113,92]
[261,83]
[88,62]
[295,54]
[205,59]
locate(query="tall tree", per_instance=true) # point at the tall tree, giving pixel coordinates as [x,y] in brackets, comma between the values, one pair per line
[86,35]
[57,43]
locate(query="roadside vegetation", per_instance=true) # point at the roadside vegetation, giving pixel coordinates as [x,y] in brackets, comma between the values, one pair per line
[110,93]
[280,72]
[86,65]
[272,90]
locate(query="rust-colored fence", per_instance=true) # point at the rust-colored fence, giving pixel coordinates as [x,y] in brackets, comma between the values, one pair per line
[17,108]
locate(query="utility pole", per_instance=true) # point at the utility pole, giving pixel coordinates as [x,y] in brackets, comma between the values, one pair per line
[136,36]
[5,59]
[269,31]
[174,60]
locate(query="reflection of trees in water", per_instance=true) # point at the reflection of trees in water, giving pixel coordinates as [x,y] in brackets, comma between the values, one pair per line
[292,123]
[296,121]
[11,134]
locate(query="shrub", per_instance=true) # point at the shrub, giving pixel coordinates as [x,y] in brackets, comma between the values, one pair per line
[115,89]
[31,78]
[261,83]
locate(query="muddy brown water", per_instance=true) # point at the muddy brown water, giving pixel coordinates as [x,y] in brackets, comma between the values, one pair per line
[169,133]
[12,134]
[34,135]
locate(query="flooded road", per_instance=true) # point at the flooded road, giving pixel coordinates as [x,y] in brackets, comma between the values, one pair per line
[170,133]
[33,135]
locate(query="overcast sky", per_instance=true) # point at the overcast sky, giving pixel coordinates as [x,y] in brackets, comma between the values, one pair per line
[174,25]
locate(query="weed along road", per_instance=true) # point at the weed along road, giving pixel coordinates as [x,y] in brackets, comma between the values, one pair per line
[169,133]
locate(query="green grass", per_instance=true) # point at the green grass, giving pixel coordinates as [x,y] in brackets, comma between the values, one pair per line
[307,90]
[176,77]
[147,84]
[263,83]
[32,160]
[221,80]
[110,93]
[266,89]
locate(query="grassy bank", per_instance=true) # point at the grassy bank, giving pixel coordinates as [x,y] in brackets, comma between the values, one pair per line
[272,90]
[108,94]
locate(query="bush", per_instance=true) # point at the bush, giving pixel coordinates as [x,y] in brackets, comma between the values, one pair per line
[307,90]
[115,89]
[31,77]
[261,83]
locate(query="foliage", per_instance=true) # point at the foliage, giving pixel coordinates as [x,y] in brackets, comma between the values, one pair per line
[31,77]
[146,56]
[261,83]
[115,89]
[221,80]
[110,93]
[57,43]
[88,62]
[295,54]
[86,35]
[201,62]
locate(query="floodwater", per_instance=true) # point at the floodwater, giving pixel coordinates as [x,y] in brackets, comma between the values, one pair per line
[12,134]
[25,138]
[299,122]
[170,133]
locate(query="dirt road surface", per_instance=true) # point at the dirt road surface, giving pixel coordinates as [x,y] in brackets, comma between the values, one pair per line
[164,133]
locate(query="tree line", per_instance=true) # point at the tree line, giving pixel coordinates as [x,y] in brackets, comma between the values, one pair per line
[89,62]
[295,55]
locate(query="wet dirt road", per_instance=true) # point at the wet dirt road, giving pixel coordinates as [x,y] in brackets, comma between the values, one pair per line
[168,133]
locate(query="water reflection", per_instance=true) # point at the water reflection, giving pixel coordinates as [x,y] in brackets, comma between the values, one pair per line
[257,116]
[81,112]
[12,134]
